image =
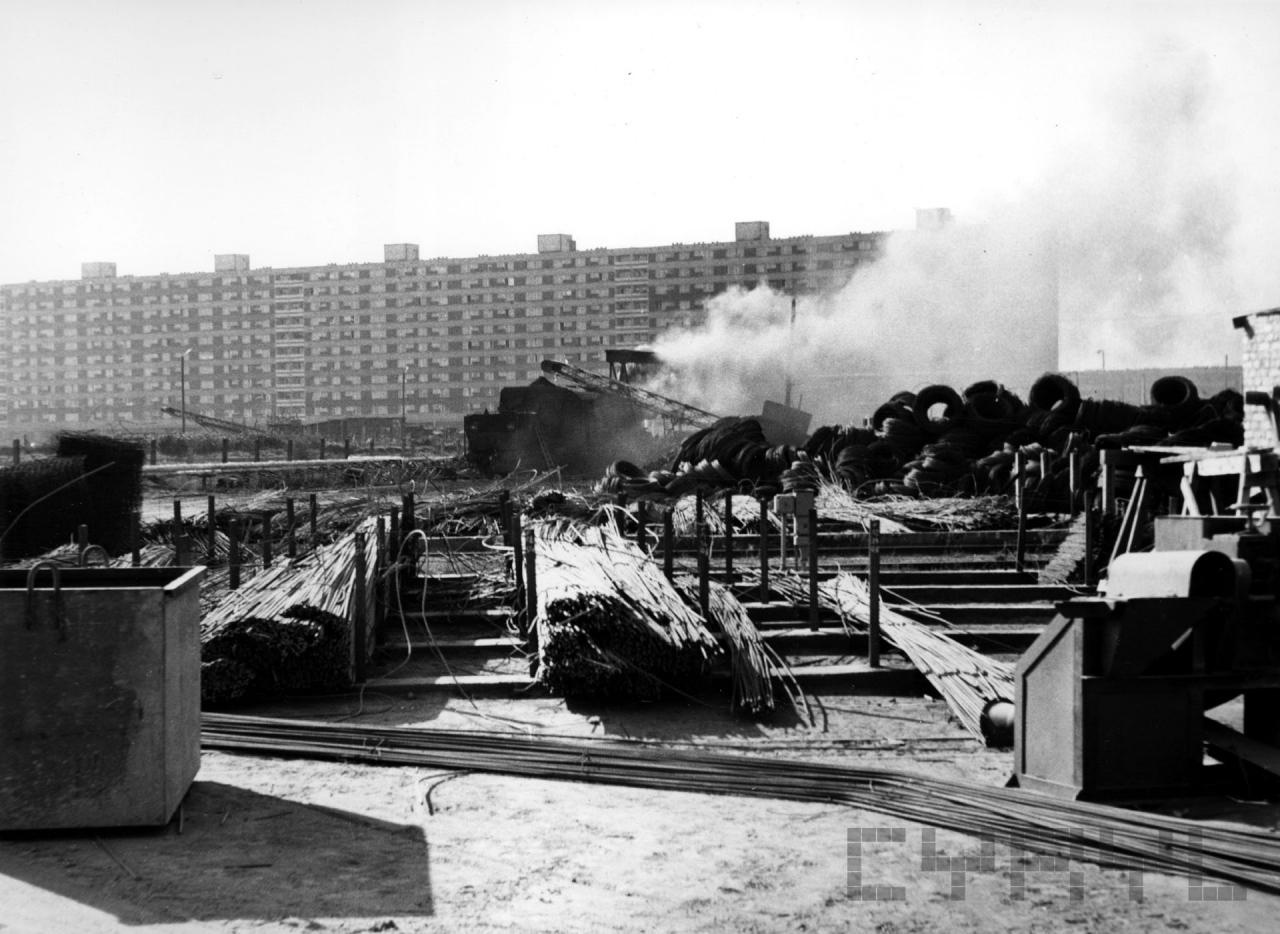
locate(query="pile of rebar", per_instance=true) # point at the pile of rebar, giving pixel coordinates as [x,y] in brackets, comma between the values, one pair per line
[1024,821]
[967,680]
[609,624]
[289,628]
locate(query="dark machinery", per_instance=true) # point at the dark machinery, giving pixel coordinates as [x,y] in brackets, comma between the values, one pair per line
[1112,697]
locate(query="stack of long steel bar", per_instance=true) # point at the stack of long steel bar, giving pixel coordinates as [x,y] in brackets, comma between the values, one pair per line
[966,679]
[608,622]
[1024,821]
[288,628]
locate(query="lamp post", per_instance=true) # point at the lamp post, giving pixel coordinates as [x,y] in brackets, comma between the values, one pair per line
[183,365]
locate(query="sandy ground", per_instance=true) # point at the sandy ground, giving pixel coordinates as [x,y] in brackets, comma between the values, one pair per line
[277,845]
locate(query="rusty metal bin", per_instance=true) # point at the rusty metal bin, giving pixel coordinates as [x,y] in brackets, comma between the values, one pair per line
[99,695]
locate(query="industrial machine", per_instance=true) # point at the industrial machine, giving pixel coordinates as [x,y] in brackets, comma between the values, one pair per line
[1112,697]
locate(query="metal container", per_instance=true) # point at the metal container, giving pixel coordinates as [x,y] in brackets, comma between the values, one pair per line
[99,695]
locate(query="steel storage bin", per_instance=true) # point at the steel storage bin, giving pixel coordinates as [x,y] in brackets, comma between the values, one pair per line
[99,695]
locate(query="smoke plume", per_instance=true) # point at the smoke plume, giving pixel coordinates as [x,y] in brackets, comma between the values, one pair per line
[1123,247]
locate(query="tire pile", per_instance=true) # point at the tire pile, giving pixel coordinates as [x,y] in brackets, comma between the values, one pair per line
[939,443]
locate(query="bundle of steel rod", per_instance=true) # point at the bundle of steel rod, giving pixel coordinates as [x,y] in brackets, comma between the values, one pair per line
[745,511]
[1024,821]
[37,502]
[289,627]
[907,514]
[966,679]
[750,661]
[609,623]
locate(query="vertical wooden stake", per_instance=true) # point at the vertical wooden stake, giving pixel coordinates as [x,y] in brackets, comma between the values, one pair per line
[322,447]
[213,530]
[530,589]
[17,452]
[764,549]
[873,588]
[291,543]
[668,543]
[135,537]
[154,446]
[704,572]
[288,450]
[179,557]
[1020,494]
[813,569]
[266,541]
[360,625]
[314,510]
[1090,538]
[728,539]
[226,450]
[257,449]
[517,560]
[233,557]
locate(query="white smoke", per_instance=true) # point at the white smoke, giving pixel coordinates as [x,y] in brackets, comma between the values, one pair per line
[1128,240]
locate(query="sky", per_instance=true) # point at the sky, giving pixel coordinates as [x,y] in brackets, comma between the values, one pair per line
[156,133]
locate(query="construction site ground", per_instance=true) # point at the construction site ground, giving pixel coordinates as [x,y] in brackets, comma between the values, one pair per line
[280,845]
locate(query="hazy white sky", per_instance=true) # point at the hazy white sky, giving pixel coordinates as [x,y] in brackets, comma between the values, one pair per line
[155,133]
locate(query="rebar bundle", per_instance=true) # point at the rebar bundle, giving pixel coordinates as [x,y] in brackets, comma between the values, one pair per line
[1025,821]
[609,623]
[289,627]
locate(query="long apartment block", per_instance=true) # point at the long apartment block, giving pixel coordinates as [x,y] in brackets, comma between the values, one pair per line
[431,339]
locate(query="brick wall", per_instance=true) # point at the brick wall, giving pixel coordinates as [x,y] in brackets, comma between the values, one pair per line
[1260,334]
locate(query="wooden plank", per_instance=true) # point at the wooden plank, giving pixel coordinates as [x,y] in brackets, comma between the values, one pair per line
[1225,742]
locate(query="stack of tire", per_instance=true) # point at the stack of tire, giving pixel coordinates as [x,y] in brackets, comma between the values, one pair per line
[938,442]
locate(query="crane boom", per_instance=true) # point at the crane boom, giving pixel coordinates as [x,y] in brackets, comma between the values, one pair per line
[677,412]
[212,423]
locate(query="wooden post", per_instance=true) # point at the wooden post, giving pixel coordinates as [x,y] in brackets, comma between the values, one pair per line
[291,543]
[360,625]
[226,450]
[266,540]
[704,572]
[288,450]
[213,530]
[314,510]
[728,539]
[179,558]
[135,537]
[321,447]
[346,448]
[1075,484]
[517,560]
[382,594]
[1090,537]
[1020,494]
[530,585]
[873,591]
[17,452]
[233,555]
[764,549]
[813,569]
[396,538]
[154,447]
[1108,486]
[668,543]
[408,518]
[257,449]
[504,515]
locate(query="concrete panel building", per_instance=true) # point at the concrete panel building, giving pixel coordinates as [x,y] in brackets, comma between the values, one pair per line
[436,338]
